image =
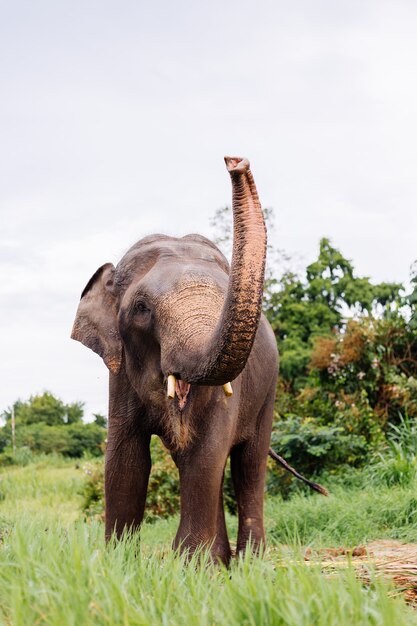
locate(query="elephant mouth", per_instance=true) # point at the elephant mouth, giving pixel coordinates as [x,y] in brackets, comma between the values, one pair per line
[180,389]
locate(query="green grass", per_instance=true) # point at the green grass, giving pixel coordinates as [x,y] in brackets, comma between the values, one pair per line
[46,490]
[57,576]
[56,570]
[346,518]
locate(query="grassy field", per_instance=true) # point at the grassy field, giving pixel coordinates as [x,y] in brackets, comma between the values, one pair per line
[55,568]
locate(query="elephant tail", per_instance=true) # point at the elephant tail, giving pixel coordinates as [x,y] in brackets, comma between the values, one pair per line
[288,467]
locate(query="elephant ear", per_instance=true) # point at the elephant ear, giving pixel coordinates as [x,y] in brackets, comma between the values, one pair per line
[95,324]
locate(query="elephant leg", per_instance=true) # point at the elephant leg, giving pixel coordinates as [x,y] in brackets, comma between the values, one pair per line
[202,520]
[248,472]
[248,465]
[221,544]
[128,462]
[127,469]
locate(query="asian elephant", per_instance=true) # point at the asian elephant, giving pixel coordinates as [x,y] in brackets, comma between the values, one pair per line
[174,325]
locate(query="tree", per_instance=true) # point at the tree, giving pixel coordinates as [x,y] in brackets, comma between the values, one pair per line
[45,424]
[331,280]
[301,309]
[74,413]
[84,438]
[100,420]
[45,409]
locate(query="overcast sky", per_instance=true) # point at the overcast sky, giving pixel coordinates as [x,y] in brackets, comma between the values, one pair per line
[114,119]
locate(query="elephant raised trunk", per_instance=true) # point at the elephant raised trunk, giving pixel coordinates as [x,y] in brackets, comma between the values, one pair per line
[231,342]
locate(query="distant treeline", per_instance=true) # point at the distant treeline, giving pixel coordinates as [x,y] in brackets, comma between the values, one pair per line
[44,424]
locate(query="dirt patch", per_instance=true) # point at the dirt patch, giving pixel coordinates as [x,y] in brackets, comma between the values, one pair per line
[391,559]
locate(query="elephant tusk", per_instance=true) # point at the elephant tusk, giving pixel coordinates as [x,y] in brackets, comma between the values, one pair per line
[171,382]
[228,391]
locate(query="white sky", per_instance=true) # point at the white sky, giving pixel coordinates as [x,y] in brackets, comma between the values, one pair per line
[114,119]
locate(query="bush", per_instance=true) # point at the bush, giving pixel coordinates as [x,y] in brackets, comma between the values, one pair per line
[163,497]
[23,456]
[84,438]
[312,448]
[372,357]
[45,408]
[73,441]
[362,376]
[93,490]
[397,463]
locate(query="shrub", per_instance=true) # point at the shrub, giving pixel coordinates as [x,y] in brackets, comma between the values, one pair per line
[84,438]
[23,456]
[163,497]
[397,463]
[74,440]
[313,447]
[93,490]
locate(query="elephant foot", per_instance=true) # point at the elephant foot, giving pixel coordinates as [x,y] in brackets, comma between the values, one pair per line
[218,553]
[251,535]
[255,547]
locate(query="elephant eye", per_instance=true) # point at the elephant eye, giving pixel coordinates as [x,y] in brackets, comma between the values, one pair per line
[140,307]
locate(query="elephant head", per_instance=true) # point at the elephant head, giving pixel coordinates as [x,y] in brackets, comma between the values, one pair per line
[172,308]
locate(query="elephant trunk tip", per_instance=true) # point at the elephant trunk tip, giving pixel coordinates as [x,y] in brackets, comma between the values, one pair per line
[240,165]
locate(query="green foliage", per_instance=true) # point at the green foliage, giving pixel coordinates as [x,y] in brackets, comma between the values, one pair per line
[45,489]
[397,463]
[375,502]
[331,279]
[348,517]
[100,420]
[313,447]
[74,413]
[163,498]
[45,425]
[377,357]
[75,440]
[92,490]
[46,409]
[348,358]
[356,388]
[84,439]
[229,496]
[23,456]
[300,310]
[42,438]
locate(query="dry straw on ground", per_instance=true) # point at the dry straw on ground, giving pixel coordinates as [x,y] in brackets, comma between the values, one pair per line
[391,559]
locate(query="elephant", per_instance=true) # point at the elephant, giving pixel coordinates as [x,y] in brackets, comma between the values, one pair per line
[191,359]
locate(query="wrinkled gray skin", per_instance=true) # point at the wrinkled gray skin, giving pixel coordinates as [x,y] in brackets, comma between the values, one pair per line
[172,306]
